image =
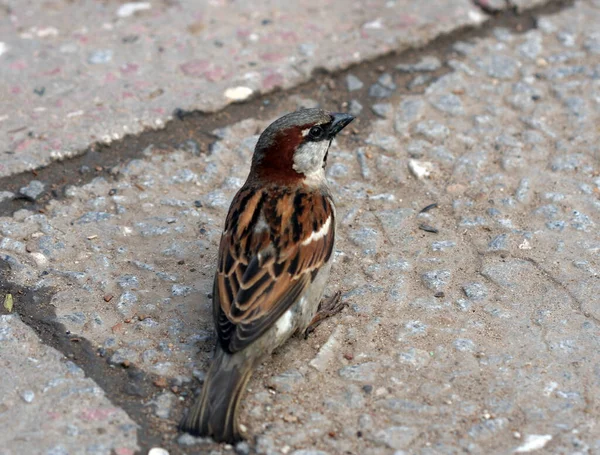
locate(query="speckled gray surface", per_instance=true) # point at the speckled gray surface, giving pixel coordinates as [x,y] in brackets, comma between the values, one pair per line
[75,73]
[481,338]
[36,401]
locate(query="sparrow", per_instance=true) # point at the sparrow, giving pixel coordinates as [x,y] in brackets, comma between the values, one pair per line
[274,260]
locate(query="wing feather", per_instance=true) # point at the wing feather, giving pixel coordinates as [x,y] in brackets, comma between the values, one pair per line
[273,243]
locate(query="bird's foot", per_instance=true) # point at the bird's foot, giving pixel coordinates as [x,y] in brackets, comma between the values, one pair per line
[327,308]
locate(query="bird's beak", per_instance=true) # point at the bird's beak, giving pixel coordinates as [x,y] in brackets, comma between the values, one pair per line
[340,121]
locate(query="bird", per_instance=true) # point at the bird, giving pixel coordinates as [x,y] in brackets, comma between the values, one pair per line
[274,260]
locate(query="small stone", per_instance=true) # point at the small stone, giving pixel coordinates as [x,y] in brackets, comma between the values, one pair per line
[354,108]
[93,217]
[386,80]
[353,83]
[365,238]
[123,355]
[450,104]
[384,87]
[443,245]
[179,290]
[242,448]
[534,442]
[100,56]
[427,63]
[365,372]
[475,291]
[436,280]
[499,66]
[33,190]
[28,396]
[420,169]
[126,10]
[464,345]
[498,243]
[128,281]
[377,91]
[419,80]
[398,437]
[382,110]
[238,93]
[432,130]
[164,404]
[6,195]
[158,451]
[409,110]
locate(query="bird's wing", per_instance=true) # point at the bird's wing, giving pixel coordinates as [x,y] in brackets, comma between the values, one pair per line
[275,241]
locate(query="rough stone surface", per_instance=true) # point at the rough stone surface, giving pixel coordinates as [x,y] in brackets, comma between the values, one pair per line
[36,395]
[480,338]
[77,73]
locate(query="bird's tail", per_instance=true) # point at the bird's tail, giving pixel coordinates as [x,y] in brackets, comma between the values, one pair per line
[216,412]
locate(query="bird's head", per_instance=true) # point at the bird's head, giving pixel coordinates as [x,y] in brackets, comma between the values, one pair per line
[293,149]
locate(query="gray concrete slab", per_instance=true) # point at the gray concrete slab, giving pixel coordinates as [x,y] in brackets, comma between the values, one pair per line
[48,406]
[75,73]
[481,337]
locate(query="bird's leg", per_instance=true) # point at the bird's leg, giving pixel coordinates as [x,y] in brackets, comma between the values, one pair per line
[328,307]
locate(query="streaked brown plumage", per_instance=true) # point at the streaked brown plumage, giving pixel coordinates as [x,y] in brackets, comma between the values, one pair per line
[274,260]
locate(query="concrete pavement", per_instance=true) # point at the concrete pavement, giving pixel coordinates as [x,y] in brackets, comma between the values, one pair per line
[86,72]
[472,326]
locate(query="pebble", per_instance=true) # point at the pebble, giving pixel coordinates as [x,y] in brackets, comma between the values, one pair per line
[432,130]
[427,63]
[499,66]
[353,83]
[449,103]
[464,345]
[100,56]
[28,396]
[397,437]
[179,290]
[355,108]
[93,217]
[163,404]
[384,87]
[365,372]
[158,451]
[534,442]
[382,110]
[499,243]
[443,245]
[475,291]
[242,448]
[239,93]
[126,10]
[6,195]
[420,169]
[365,238]
[33,191]
[436,280]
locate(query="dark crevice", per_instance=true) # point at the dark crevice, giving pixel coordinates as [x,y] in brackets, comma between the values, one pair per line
[192,129]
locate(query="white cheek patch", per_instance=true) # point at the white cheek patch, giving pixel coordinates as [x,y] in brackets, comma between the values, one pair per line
[309,156]
[318,234]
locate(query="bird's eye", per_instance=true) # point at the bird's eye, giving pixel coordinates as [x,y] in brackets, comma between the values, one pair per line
[316,132]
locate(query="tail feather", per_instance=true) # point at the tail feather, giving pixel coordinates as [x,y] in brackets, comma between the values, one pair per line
[215,414]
